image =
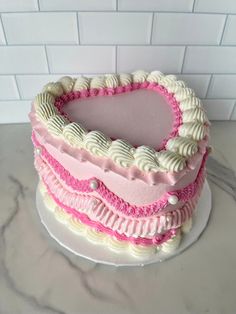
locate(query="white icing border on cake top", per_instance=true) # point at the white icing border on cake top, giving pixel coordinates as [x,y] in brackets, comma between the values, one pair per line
[177,150]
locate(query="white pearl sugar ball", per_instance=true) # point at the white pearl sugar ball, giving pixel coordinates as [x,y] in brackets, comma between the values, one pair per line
[173,199]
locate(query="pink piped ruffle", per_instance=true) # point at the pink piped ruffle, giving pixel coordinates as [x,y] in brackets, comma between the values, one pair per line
[98,211]
[118,203]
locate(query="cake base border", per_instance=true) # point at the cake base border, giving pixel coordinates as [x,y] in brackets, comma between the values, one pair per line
[80,246]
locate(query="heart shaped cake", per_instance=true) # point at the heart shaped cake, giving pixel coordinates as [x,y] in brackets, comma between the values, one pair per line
[121,158]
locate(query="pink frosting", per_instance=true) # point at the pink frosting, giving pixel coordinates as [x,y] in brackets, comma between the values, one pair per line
[95,213]
[110,218]
[159,89]
[119,204]
[79,160]
[68,180]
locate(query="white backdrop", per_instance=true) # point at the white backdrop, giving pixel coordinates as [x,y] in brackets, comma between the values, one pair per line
[41,40]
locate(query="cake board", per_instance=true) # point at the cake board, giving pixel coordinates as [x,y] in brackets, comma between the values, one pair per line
[80,246]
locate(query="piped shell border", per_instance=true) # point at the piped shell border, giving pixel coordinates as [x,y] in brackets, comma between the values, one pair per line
[193,126]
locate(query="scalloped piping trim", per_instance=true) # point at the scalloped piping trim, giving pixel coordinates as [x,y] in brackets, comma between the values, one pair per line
[123,154]
[93,92]
[118,246]
[158,239]
[118,203]
[95,209]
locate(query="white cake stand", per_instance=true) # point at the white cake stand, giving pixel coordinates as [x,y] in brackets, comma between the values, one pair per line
[79,245]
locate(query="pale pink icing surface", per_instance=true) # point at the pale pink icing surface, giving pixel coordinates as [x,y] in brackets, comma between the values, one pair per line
[165,105]
[131,116]
[128,204]
[112,199]
[96,214]
[82,163]
[135,192]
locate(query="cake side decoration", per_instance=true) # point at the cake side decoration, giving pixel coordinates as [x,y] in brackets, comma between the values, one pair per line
[133,199]
[195,123]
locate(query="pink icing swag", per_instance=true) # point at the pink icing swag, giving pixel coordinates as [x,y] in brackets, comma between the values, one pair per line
[119,204]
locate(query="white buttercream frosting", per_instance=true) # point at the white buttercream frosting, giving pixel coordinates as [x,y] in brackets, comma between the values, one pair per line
[61,215]
[172,85]
[183,93]
[111,80]
[172,244]
[46,111]
[196,114]
[187,226]
[97,143]
[76,226]
[116,245]
[43,98]
[55,89]
[121,152]
[95,236]
[194,130]
[42,188]
[97,82]
[125,79]
[171,161]
[190,103]
[56,124]
[145,159]
[155,77]
[67,83]
[142,251]
[74,134]
[183,146]
[139,76]
[166,80]
[81,83]
[49,202]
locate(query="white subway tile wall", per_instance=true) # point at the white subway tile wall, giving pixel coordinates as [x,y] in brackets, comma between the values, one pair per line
[187,29]
[8,88]
[168,59]
[230,31]
[33,28]
[2,36]
[81,59]
[115,28]
[41,40]
[18,5]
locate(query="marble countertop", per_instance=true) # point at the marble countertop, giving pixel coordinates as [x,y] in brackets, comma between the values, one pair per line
[39,276]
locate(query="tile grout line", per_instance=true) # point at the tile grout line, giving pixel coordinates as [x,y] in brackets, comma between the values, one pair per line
[182,67]
[194,5]
[78,27]
[223,30]
[234,108]
[59,73]
[209,85]
[98,73]
[47,60]
[123,45]
[152,24]
[114,10]
[38,5]
[4,32]
[116,58]
[18,88]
